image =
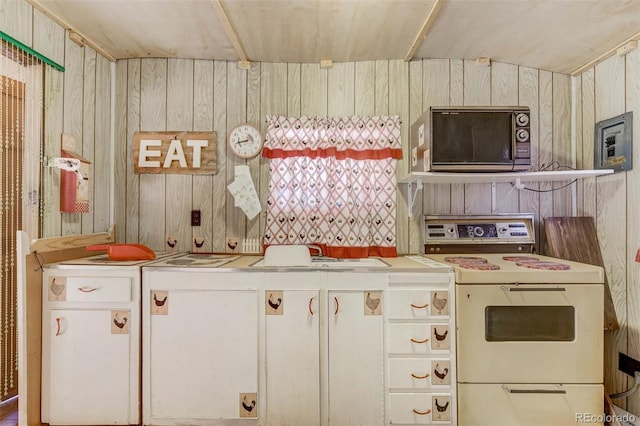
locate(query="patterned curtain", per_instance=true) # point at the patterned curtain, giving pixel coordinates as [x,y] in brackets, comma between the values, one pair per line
[332,183]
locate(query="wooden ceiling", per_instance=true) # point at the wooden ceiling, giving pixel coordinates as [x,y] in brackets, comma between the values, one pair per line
[555,35]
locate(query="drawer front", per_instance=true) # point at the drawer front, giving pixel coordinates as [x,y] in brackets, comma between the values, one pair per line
[529,405]
[418,304]
[89,289]
[419,373]
[420,408]
[419,338]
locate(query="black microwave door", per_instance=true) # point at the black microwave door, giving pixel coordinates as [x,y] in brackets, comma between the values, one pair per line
[471,137]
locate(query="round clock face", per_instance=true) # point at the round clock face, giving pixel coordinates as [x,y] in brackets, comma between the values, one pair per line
[245,141]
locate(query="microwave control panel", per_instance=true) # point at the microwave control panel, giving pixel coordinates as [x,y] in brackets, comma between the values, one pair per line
[478,229]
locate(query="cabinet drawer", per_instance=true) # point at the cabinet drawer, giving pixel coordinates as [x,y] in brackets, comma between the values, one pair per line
[89,289]
[419,373]
[412,304]
[420,408]
[419,338]
[529,405]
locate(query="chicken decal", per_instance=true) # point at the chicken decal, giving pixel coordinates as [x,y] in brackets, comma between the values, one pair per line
[248,405]
[439,303]
[440,373]
[274,302]
[57,289]
[372,303]
[440,337]
[120,322]
[160,303]
[442,412]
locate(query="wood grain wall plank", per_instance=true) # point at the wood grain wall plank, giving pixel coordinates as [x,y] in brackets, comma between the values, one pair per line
[382,88]
[545,147]
[632,90]
[88,140]
[477,91]
[48,37]
[341,89]
[576,136]
[588,128]
[102,200]
[153,117]
[134,83]
[73,82]
[415,111]
[202,235]
[365,79]
[611,223]
[456,98]
[178,187]
[218,215]
[399,105]
[563,196]
[120,150]
[255,117]
[294,75]
[313,90]
[504,92]
[236,220]
[16,20]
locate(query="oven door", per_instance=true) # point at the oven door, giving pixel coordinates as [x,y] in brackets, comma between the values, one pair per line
[530,333]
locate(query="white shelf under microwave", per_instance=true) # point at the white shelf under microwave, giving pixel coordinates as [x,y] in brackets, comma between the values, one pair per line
[517,178]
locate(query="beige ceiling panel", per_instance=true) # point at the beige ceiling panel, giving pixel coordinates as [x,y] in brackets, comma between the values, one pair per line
[555,35]
[145,28]
[342,30]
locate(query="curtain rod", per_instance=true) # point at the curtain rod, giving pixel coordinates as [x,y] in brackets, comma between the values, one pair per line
[29,50]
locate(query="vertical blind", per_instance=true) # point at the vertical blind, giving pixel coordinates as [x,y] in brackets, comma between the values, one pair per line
[22,81]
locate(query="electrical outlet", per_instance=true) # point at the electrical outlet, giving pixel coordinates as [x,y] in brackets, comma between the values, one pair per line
[195,217]
[628,365]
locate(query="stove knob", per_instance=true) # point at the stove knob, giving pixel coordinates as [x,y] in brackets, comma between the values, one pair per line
[478,231]
[502,230]
[450,230]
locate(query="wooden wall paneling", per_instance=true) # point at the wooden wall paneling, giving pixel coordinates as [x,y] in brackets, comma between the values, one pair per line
[545,149]
[456,98]
[73,115]
[588,128]
[218,215]
[528,96]
[48,37]
[273,98]
[399,105]
[341,89]
[633,223]
[382,88]
[436,92]
[254,116]
[153,116]
[178,187]
[88,140]
[477,91]
[16,20]
[53,123]
[564,195]
[120,163]
[365,78]
[504,92]
[102,201]
[133,180]
[313,90]
[236,114]
[294,75]
[576,136]
[203,184]
[415,110]
[611,223]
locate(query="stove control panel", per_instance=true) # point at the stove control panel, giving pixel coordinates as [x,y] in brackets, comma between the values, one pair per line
[440,229]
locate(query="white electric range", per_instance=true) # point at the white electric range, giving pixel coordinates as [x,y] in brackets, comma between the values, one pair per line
[530,335]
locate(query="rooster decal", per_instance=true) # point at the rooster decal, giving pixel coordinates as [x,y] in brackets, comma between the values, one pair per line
[119,324]
[274,305]
[159,302]
[248,406]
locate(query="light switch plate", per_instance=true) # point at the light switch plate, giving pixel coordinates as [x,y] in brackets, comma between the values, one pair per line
[613,143]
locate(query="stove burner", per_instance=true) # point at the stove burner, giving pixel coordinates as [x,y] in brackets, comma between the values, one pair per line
[520,259]
[465,259]
[547,266]
[479,266]
[180,261]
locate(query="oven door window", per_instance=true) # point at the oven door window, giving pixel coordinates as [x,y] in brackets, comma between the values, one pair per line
[530,323]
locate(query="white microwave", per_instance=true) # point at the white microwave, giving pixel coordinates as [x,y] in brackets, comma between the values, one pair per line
[471,139]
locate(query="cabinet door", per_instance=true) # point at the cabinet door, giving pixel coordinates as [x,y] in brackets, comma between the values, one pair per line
[292,357]
[356,390]
[89,369]
[203,354]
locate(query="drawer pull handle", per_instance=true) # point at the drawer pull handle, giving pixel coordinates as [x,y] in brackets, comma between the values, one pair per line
[542,391]
[310,308]
[419,341]
[415,376]
[422,413]
[335,298]
[419,306]
[58,326]
[88,289]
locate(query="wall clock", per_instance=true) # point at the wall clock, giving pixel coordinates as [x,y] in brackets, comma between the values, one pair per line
[245,141]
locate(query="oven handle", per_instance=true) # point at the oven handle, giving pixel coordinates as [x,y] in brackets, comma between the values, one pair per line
[542,391]
[504,287]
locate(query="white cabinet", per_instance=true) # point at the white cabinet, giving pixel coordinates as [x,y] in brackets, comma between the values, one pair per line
[326,344]
[200,347]
[421,367]
[90,359]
